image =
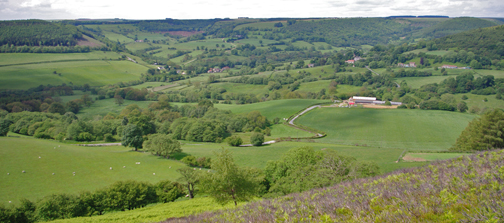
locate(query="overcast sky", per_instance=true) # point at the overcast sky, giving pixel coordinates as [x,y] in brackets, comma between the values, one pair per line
[201,9]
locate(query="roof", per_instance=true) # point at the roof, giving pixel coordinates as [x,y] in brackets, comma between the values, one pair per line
[364,98]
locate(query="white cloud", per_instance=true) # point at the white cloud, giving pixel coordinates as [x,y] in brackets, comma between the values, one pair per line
[198,9]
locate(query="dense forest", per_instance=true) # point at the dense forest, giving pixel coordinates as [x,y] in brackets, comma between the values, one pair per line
[486,41]
[38,33]
[454,26]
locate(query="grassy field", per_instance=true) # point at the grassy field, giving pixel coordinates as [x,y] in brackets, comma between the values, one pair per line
[316,86]
[103,107]
[495,73]
[431,156]
[417,82]
[388,128]
[478,101]
[154,213]
[258,156]
[22,58]
[272,109]
[91,165]
[94,73]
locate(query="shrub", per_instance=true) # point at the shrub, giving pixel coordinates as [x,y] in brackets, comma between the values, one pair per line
[85,136]
[109,138]
[257,139]
[42,135]
[464,97]
[168,191]
[234,141]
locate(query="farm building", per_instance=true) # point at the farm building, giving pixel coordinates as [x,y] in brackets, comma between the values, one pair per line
[449,66]
[350,61]
[368,100]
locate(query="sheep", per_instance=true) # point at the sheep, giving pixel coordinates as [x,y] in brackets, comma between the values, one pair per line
[23,171]
[59,146]
[199,168]
[110,168]
[169,167]
[194,168]
[10,202]
[52,173]
[153,173]
[187,195]
[124,166]
[39,157]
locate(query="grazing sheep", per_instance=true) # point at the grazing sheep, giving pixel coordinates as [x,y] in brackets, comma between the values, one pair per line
[124,166]
[10,202]
[23,171]
[52,173]
[194,168]
[169,167]
[199,168]
[39,157]
[187,195]
[153,173]
[111,168]
[8,173]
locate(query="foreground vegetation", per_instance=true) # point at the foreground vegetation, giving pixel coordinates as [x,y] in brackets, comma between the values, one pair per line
[468,188]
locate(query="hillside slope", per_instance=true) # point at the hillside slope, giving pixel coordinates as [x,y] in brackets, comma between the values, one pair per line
[468,188]
[485,42]
[454,26]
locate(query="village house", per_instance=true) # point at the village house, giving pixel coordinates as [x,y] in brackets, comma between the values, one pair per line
[350,61]
[412,64]
[311,65]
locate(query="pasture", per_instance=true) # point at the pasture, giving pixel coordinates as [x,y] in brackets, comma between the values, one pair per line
[422,157]
[258,156]
[90,164]
[273,109]
[103,107]
[25,58]
[388,128]
[94,73]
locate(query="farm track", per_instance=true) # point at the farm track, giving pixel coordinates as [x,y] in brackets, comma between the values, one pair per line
[57,61]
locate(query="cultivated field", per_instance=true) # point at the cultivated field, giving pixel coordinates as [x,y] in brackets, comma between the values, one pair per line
[94,73]
[388,128]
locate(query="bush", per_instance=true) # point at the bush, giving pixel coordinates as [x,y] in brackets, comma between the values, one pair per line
[42,135]
[464,97]
[109,138]
[85,136]
[257,139]
[168,191]
[234,141]
[402,106]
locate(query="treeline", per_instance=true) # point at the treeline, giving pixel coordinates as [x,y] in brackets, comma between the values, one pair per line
[483,133]
[120,196]
[176,25]
[38,33]
[200,123]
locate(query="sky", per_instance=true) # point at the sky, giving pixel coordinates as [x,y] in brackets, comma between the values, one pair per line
[199,9]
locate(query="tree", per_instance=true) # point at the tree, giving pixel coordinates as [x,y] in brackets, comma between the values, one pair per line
[118,99]
[57,107]
[162,145]
[168,191]
[257,139]
[484,133]
[191,177]
[4,126]
[462,106]
[132,136]
[228,182]
[234,141]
